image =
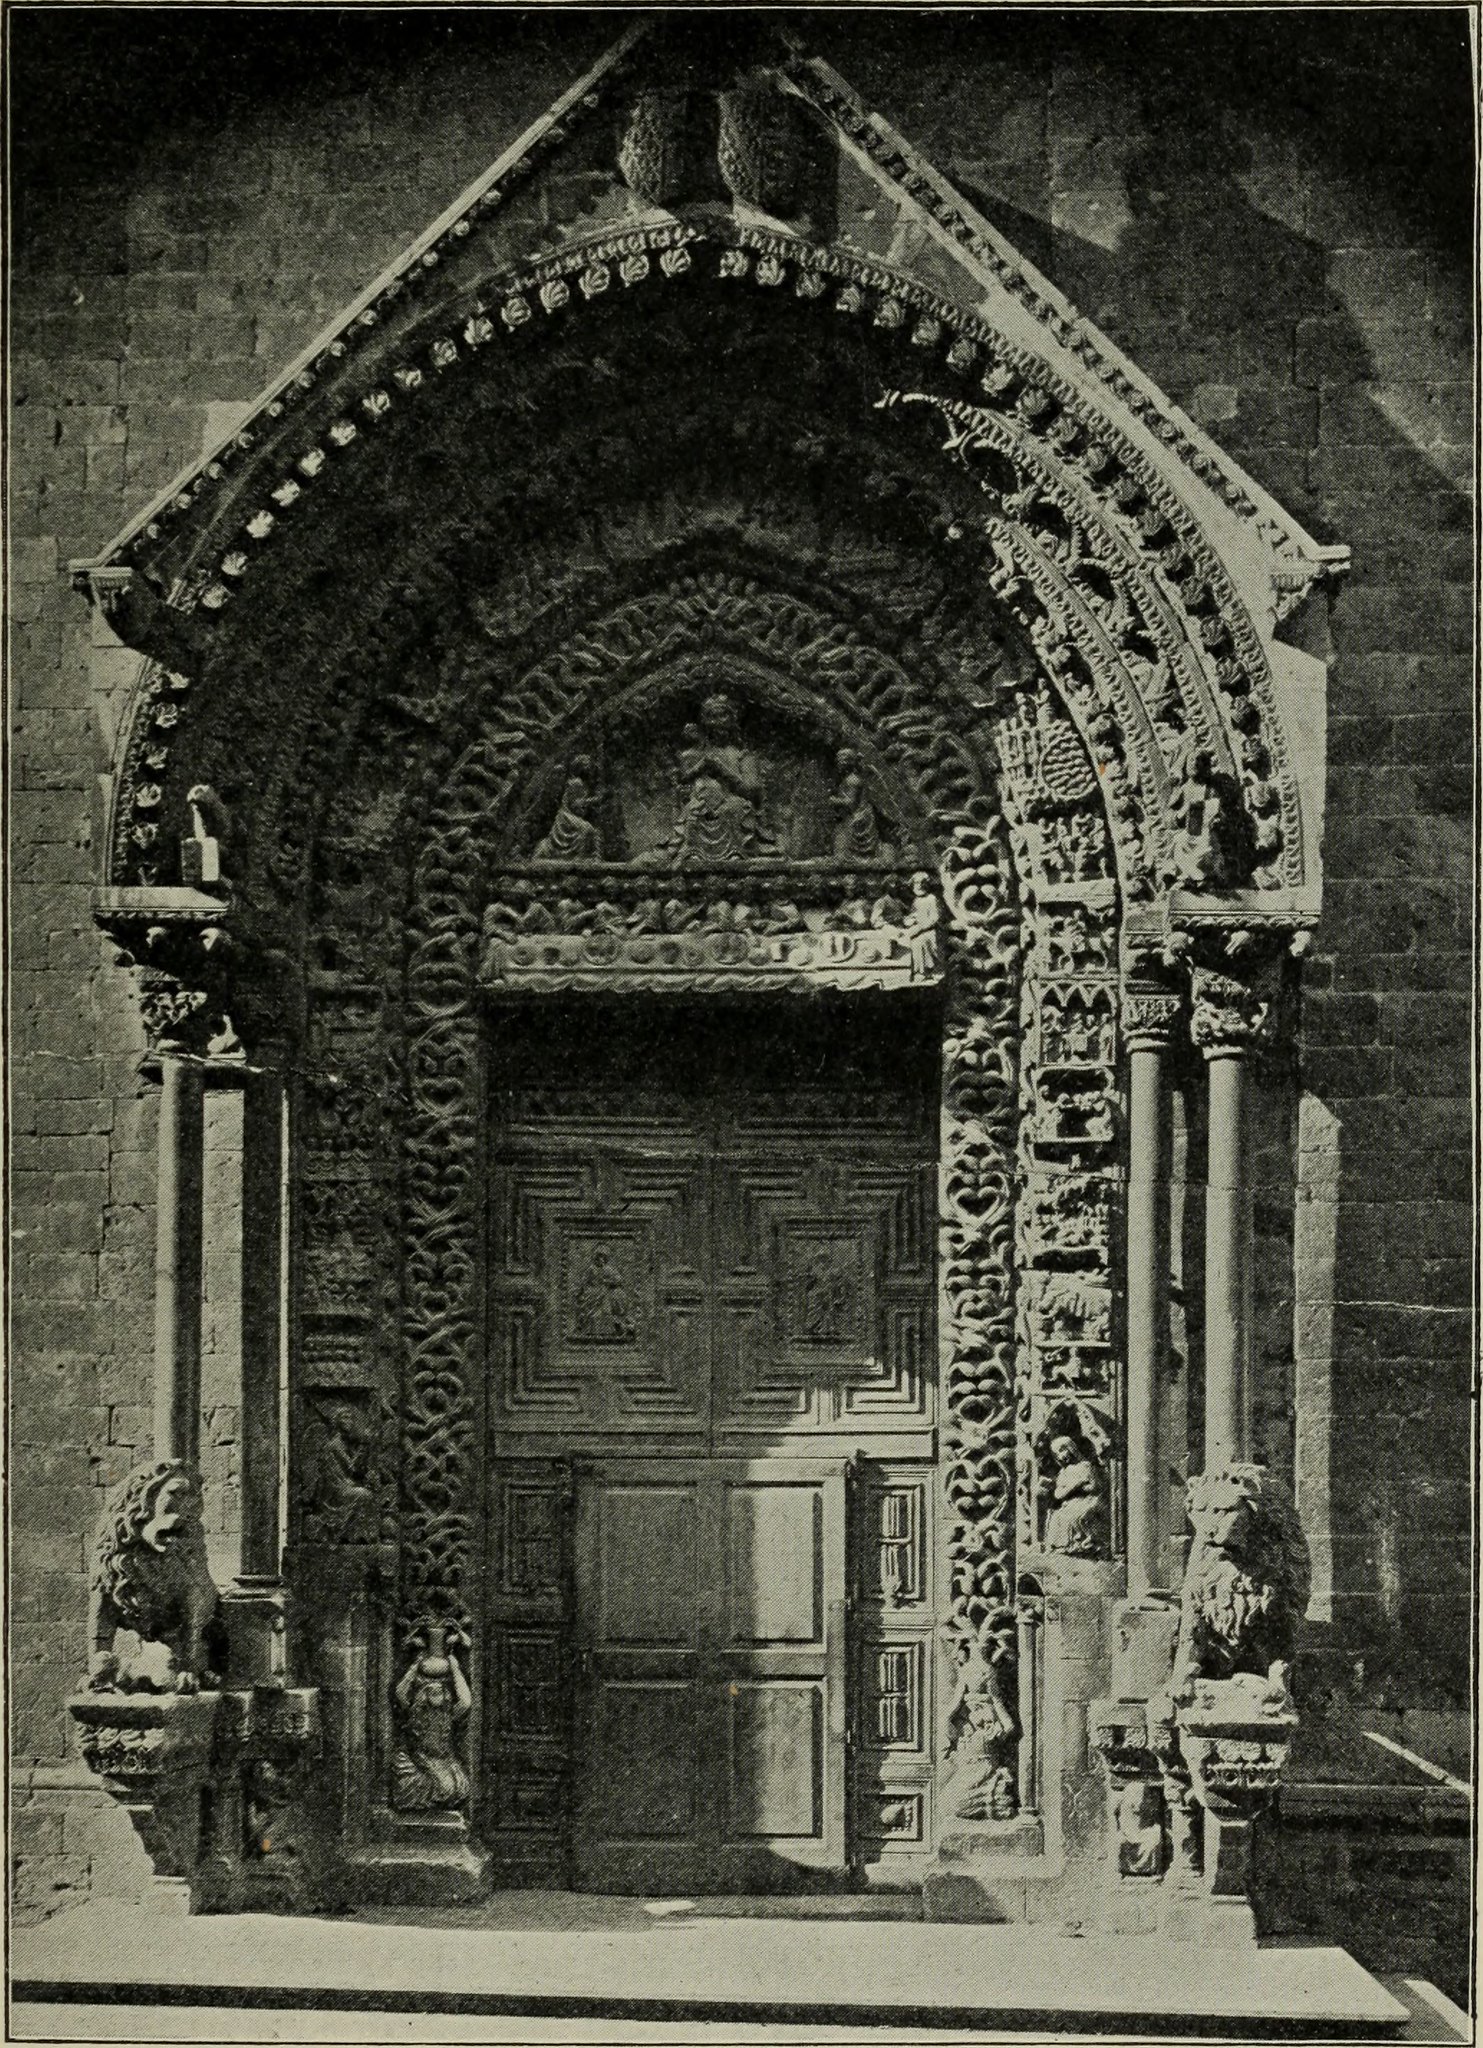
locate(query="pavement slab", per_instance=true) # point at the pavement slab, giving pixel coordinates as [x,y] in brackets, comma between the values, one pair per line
[665,1962]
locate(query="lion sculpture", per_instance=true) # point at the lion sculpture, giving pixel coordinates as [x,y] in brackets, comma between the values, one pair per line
[150,1575]
[1246,1583]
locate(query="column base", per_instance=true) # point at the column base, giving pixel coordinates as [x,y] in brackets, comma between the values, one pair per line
[1211,1923]
[417,1873]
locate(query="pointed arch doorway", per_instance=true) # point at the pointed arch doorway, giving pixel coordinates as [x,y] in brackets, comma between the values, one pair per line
[730,591]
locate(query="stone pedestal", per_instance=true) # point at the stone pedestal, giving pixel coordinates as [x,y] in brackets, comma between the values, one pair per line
[1234,1737]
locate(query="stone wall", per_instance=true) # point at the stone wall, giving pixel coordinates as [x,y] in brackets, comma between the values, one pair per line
[1270,214]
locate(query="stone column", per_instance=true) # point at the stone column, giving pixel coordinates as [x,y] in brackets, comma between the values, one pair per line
[1230,1019]
[255,1602]
[177,1310]
[1148,1023]
[262,1320]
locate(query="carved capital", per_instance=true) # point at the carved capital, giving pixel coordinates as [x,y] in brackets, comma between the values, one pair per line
[1231,1014]
[1149,1019]
[205,981]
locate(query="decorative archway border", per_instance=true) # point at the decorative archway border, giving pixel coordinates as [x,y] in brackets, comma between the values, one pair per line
[1000,1271]
[1164,646]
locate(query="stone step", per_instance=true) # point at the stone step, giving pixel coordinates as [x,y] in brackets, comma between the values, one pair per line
[652,1961]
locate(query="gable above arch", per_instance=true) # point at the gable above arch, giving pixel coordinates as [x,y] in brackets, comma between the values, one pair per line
[1162,591]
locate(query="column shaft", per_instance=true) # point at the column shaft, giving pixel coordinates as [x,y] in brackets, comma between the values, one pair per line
[1147,1290]
[262,1319]
[1225,1265]
[177,1310]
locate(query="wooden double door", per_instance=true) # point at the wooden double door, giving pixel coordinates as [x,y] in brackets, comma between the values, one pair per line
[712,1284]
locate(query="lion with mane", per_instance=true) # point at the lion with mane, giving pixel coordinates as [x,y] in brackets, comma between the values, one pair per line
[150,1575]
[1246,1583]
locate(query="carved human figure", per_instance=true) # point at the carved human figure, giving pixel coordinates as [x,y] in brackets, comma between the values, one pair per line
[1077,1522]
[573,834]
[857,834]
[922,926]
[826,1296]
[1140,1829]
[342,1507]
[433,1700]
[600,1309]
[1205,849]
[981,1782]
[720,784]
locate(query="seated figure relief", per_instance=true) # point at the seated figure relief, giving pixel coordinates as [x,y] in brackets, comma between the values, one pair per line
[720,786]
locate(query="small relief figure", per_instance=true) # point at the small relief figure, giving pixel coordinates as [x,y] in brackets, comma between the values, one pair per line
[1206,849]
[573,834]
[720,785]
[922,922]
[1140,1829]
[857,835]
[825,1305]
[433,1701]
[981,1775]
[1076,1524]
[341,1504]
[600,1309]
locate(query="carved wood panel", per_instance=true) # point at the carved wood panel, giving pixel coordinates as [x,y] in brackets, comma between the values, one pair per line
[599,1286]
[530,1690]
[894,1690]
[696,1248]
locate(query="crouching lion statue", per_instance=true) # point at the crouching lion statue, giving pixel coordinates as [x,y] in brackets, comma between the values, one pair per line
[1246,1584]
[150,1575]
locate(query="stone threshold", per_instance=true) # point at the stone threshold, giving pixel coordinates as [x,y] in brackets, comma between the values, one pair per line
[554,1957]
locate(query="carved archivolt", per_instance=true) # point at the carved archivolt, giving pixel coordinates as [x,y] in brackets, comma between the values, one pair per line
[1128,605]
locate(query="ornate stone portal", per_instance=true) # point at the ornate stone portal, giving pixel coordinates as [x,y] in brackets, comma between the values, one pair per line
[983,692]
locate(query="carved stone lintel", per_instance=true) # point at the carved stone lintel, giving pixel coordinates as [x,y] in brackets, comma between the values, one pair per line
[882,945]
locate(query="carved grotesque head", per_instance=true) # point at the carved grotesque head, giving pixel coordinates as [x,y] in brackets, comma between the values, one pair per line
[1224,1507]
[1241,1514]
[171,1507]
[718,716]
